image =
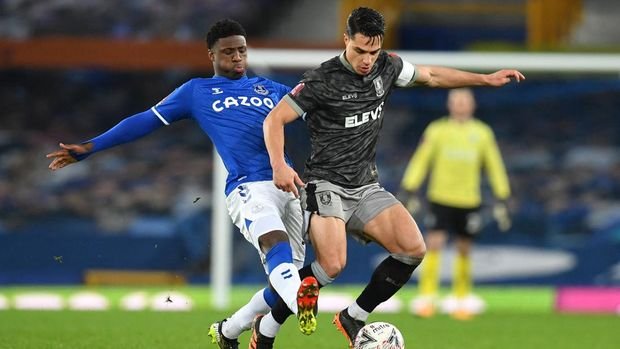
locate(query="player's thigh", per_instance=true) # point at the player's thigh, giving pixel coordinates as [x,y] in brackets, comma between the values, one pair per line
[323,201]
[380,217]
[395,230]
[329,241]
[257,208]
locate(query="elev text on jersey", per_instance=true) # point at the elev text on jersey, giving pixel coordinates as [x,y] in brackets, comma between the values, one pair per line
[362,118]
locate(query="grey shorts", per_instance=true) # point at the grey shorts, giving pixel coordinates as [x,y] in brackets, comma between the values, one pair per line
[355,206]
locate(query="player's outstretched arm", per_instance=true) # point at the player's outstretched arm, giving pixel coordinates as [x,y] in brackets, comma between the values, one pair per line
[437,76]
[66,155]
[284,177]
[129,129]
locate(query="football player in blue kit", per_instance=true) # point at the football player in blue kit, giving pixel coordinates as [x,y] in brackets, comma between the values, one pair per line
[230,108]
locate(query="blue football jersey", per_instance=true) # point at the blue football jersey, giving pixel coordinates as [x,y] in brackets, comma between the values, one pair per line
[231,113]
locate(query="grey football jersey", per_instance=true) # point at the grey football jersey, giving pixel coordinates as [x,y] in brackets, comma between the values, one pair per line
[344,114]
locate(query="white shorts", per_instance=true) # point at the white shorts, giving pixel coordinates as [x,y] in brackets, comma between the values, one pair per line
[257,208]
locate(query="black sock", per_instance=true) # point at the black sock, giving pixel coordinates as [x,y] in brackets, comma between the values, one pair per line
[280,311]
[387,279]
[305,272]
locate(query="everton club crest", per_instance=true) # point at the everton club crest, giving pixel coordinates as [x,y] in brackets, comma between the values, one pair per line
[261,90]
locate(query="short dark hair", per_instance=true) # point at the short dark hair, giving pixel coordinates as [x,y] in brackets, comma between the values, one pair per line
[366,21]
[222,29]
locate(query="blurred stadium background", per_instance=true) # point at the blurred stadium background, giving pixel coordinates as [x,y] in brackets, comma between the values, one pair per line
[141,215]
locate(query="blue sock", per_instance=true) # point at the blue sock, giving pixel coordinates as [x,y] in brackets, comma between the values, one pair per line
[283,275]
[279,253]
[270,296]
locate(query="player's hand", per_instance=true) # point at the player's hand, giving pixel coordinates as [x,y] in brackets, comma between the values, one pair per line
[502,216]
[286,179]
[64,156]
[504,76]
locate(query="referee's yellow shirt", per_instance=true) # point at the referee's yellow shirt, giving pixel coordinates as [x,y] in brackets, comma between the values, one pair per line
[455,153]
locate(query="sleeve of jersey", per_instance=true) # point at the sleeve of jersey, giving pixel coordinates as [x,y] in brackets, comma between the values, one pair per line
[129,129]
[407,75]
[495,168]
[283,90]
[176,106]
[420,161]
[301,98]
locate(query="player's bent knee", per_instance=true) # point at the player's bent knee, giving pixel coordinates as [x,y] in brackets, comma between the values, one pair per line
[270,239]
[407,259]
[322,277]
[419,250]
[409,248]
[332,268]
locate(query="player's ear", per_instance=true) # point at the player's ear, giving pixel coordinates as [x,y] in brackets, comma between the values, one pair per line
[346,39]
[211,56]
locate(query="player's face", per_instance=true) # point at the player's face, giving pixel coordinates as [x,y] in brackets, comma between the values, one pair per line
[362,52]
[229,56]
[461,104]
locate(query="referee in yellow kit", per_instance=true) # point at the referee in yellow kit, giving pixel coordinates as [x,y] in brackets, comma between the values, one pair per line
[454,149]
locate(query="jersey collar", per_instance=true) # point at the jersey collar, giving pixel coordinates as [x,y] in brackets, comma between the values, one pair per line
[346,63]
[245,77]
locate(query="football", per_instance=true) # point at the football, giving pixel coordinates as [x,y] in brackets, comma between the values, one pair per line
[379,335]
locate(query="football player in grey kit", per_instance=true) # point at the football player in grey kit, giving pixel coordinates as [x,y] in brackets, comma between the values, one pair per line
[343,102]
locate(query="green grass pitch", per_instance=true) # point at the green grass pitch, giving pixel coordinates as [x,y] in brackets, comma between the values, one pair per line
[517,319]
